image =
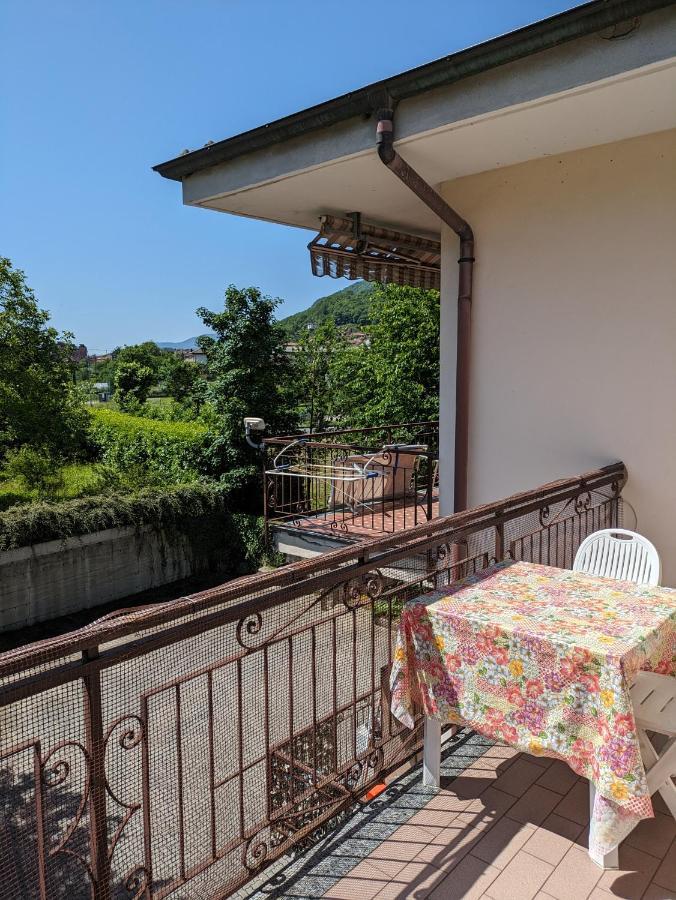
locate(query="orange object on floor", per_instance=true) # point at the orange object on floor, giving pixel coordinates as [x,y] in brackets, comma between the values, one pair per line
[375,790]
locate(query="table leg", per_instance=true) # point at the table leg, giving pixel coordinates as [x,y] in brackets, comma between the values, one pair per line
[610,860]
[432,752]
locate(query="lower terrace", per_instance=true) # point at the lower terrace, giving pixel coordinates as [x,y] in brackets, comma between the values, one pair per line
[329,488]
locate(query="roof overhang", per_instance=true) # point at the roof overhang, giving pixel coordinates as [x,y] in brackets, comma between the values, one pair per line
[560,85]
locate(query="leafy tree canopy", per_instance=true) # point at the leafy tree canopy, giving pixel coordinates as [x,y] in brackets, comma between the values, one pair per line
[249,373]
[39,406]
[395,378]
[133,382]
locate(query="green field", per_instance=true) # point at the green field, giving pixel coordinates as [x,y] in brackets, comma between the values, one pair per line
[70,481]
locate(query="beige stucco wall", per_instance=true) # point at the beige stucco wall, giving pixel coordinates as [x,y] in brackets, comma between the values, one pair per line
[574,324]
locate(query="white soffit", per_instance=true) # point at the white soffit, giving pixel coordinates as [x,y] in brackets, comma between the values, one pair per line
[641,102]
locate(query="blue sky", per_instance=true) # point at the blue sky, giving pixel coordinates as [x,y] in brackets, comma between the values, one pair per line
[93,94]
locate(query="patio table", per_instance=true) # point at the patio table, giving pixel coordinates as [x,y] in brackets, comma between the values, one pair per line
[543,659]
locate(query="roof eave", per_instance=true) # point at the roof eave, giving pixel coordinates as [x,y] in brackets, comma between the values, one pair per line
[542,35]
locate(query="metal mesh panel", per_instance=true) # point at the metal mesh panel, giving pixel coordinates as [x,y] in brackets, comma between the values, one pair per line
[175,751]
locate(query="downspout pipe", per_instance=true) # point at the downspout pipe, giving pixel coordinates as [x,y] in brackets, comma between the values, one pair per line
[415,183]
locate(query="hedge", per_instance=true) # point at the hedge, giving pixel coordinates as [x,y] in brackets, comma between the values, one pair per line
[209,514]
[177,451]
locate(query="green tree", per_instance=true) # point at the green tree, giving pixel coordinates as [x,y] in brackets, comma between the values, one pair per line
[248,372]
[396,377]
[133,382]
[313,362]
[39,406]
[183,382]
[147,354]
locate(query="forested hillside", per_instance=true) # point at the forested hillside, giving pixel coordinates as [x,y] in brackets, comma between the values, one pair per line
[350,306]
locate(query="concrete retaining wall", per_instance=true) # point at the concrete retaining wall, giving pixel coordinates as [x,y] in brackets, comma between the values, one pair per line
[59,577]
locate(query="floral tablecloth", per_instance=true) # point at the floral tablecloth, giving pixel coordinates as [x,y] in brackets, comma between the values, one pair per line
[543,659]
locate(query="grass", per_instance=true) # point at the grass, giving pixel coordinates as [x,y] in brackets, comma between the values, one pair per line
[70,481]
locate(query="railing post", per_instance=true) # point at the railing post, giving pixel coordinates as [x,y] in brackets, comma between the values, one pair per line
[95,744]
[430,486]
[499,541]
[266,511]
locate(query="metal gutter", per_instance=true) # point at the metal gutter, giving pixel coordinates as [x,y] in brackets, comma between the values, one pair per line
[575,23]
[425,192]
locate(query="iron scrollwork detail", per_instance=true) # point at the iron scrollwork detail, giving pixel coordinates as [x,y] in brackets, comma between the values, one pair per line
[254,853]
[55,774]
[248,626]
[363,589]
[131,735]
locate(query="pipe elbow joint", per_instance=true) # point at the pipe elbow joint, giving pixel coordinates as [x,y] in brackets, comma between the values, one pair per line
[385,136]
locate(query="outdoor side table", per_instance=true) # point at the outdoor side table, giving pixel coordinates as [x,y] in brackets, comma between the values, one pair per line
[542,659]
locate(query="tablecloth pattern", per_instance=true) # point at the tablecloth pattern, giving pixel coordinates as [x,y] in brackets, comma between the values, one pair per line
[543,659]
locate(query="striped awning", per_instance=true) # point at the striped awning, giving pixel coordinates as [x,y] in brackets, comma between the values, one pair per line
[348,248]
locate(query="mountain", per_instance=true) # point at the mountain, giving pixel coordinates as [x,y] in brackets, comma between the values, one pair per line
[350,306]
[187,344]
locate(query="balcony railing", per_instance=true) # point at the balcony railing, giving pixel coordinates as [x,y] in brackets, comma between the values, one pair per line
[179,749]
[357,483]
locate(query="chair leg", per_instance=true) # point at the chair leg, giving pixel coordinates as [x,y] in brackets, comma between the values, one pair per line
[432,753]
[650,757]
[610,860]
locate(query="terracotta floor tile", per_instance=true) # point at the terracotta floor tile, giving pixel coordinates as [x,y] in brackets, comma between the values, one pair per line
[653,835]
[655,892]
[451,846]
[559,778]
[468,881]
[414,882]
[403,851]
[535,805]
[383,870]
[666,874]
[553,839]
[354,889]
[472,784]
[634,875]
[416,833]
[518,777]
[503,842]
[448,800]
[487,763]
[575,805]
[438,818]
[492,803]
[574,878]
[502,751]
[521,879]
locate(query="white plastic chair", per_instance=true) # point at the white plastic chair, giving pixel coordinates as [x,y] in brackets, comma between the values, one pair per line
[627,556]
[618,553]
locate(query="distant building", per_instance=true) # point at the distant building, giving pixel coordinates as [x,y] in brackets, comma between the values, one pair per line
[79,354]
[102,390]
[103,357]
[195,356]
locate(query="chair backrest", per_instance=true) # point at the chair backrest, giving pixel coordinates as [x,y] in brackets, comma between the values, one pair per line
[618,553]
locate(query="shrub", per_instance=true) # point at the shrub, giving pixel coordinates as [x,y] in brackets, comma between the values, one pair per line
[33,468]
[212,515]
[177,452]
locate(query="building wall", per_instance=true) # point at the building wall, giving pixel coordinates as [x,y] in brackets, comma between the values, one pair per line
[574,324]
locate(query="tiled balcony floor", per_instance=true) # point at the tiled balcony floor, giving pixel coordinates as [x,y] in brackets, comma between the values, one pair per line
[388,518]
[504,826]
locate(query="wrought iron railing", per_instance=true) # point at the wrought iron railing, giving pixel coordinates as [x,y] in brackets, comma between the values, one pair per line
[176,750]
[358,482]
